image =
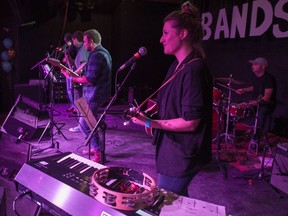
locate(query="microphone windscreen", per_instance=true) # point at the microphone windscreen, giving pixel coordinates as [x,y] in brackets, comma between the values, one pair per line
[142,51]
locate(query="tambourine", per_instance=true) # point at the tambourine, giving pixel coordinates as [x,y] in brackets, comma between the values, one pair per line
[122,188]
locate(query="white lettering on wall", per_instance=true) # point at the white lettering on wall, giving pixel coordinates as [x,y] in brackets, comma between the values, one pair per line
[222,25]
[261,21]
[279,13]
[266,7]
[206,22]
[239,21]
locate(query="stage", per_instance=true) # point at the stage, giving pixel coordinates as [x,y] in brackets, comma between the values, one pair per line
[234,180]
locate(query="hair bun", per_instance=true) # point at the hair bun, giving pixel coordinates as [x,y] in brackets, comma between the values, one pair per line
[187,7]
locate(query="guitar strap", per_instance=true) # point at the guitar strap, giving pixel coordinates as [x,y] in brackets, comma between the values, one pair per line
[167,81]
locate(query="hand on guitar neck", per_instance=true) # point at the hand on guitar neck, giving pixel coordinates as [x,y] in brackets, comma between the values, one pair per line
[150,112]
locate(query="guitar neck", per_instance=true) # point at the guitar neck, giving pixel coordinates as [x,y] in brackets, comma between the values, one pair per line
[69,61]
[61,66]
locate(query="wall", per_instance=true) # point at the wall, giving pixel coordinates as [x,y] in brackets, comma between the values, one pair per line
[261,31]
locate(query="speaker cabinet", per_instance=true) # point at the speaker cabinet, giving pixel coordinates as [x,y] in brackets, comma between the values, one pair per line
[22,120]
[279,177]
[13,155]
[35,92]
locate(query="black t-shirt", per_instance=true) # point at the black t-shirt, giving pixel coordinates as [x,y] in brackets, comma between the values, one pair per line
[264,82]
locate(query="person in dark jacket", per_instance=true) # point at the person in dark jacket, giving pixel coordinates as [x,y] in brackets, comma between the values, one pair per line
[184,125]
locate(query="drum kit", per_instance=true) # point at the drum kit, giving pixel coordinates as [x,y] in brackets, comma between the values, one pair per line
[225,113]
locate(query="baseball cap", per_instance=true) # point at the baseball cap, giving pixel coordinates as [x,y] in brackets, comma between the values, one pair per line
[260,61]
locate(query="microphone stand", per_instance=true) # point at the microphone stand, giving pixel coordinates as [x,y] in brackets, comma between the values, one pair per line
[54,54]
[221,163]
[38,63]
[103,115]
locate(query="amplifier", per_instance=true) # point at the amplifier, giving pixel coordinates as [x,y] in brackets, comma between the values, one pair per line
[279,177]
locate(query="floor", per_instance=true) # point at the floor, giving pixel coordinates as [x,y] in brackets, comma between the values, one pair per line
[239,182]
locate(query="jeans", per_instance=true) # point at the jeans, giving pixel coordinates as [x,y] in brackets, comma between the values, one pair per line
[69,86]
[264,112]
[77,94]
[95,140]
[178,185]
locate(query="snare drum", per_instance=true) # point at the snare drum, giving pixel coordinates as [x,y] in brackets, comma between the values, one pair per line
[217,95]
[237,111]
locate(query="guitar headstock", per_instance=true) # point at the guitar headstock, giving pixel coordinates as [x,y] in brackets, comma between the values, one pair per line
[129,113]
[54,62]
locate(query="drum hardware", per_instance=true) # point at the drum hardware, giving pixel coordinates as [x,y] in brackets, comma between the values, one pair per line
[262,173]
[253,144]
[226,132]
[227,135]
[217,118]
[254,141]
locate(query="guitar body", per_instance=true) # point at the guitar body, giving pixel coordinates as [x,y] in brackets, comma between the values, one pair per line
[151,112]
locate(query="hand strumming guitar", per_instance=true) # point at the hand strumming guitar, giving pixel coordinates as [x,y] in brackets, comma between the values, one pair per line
[65,73]
[140,119]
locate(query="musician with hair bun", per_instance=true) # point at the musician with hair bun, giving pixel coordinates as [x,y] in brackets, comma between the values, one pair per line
[183,129]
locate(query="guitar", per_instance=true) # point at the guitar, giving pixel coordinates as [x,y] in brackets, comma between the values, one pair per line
[71,66]
[57,63]
[150,112]
[69,61]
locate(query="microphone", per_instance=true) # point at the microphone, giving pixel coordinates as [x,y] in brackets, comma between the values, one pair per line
[141,52]
[64,47]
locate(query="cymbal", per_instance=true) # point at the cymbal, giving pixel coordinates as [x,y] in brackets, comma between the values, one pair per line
[224,86]
[229,79]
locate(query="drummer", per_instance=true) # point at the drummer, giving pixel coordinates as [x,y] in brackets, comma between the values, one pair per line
[263,91]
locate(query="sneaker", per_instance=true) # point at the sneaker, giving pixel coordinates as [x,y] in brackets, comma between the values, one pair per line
[92,151]
[70,109]
[96,158]
[75,129]
[74,111]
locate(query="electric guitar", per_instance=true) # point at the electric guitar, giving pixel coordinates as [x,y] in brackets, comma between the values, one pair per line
[57,63]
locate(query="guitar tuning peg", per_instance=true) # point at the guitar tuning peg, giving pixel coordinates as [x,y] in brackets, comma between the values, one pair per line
[135,102]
